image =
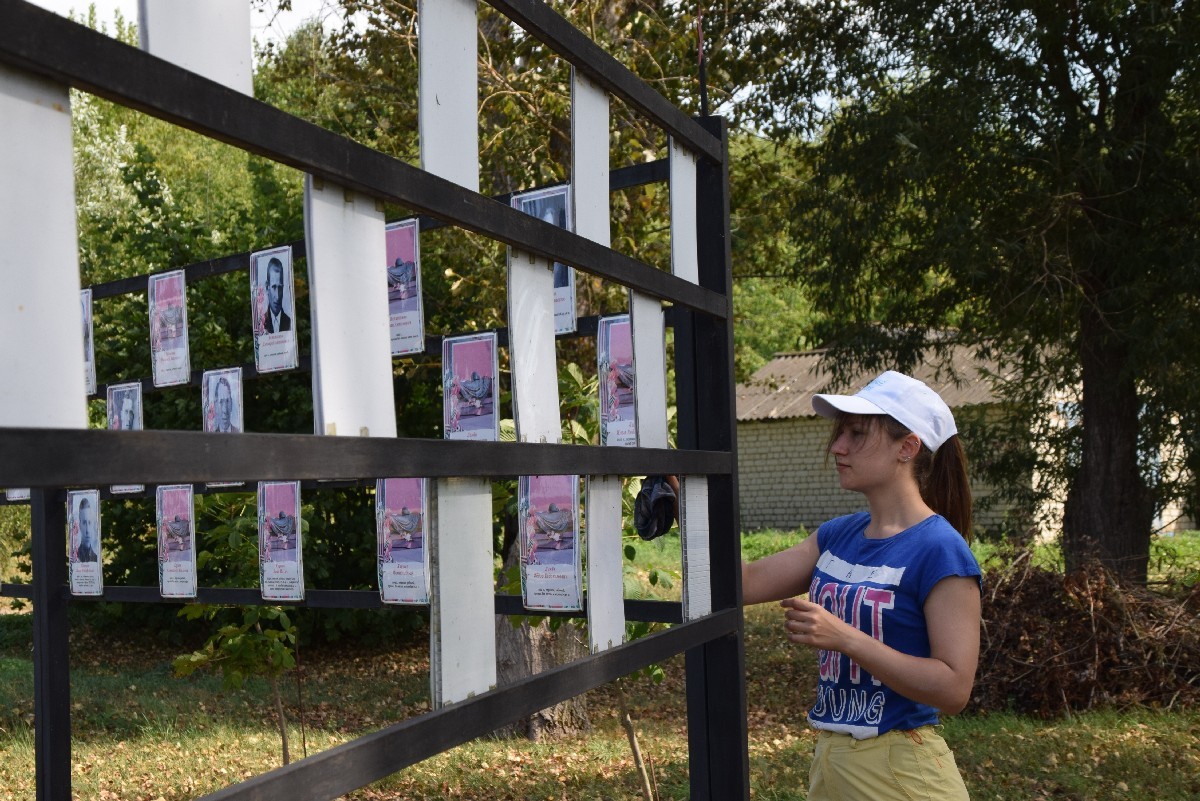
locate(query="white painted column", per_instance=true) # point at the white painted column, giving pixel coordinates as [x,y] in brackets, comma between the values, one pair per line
[41,320]
[351,334]
[211,38]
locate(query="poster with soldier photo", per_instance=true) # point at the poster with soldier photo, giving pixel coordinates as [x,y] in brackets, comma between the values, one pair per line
[547,511]
[618,387]
[16,494]
[171,365]
[553,205]
[221,404]
[400,505]
[83,542]
[469,393]
[272,304]
[280,550]
[89,346]
[125,414]
[406,305]
[175,512]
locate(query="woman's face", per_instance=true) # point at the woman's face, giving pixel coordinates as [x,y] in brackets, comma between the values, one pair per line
[863,455]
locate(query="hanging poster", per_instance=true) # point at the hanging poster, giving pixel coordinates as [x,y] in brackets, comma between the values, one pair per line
[176,515]
[221,405]
[17,494]
[469,394]
[618,387]
[125,414]
[400,505]
[547,508]
[168,329]
[89,346]
[553,205]
[280,560]
[406,306]
[272,304]
[83,543]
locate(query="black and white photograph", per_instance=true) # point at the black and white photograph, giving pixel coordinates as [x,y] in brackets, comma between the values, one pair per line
[273,295]
[125,414]
[553,205]
[83,526]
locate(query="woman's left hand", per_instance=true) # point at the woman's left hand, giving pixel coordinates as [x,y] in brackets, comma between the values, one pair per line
[812,624]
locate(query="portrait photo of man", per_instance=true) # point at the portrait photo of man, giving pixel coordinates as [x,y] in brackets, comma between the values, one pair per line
[88,548]
[276,318]
[222,396]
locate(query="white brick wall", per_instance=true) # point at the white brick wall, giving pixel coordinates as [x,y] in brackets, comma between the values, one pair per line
[785,483]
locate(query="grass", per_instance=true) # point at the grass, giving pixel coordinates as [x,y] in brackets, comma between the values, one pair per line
[141,734]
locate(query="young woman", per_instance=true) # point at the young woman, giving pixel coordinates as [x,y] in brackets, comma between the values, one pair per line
[893,597]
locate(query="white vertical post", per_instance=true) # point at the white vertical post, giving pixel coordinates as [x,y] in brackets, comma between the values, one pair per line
[211,38]
[351,334]
[649,368]
[606,587]
[685,262]
[41,321]
[462,630]
[531,348]
[589,160]
[694,533]
[448,90]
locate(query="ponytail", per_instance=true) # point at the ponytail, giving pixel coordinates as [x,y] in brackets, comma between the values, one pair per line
[941,477]
[944,485]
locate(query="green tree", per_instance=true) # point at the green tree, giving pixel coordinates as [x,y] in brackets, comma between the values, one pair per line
[1024,174]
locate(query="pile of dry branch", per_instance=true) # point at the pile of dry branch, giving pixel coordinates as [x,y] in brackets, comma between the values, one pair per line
[1052,644]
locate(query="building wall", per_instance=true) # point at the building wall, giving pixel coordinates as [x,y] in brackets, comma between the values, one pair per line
[785,483]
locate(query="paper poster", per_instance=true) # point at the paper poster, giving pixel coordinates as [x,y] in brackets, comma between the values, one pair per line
[125,414]
[553,205]
[280,552]
[89,346]
[168,329]
[83,543]
[469,393]
[614,356]
[272,304]
[221,407]
[406,306]
[176,516]
[17,494]
[548,510]
[400,505]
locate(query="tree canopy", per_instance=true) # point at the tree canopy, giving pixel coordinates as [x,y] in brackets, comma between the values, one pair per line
[1024,175]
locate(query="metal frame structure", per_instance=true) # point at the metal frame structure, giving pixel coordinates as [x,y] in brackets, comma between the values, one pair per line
[50,461]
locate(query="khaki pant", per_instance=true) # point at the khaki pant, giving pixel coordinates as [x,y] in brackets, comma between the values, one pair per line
[905,765]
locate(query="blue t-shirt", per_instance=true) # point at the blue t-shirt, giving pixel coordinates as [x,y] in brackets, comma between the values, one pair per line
[879,586]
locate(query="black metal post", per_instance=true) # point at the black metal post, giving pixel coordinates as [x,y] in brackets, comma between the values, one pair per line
[716,689]
[51,660]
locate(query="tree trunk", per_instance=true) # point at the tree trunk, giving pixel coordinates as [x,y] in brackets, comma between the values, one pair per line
[525,650]
[1108,513]
[287,757]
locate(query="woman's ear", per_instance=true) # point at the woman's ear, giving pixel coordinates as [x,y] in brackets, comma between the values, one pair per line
[910,447]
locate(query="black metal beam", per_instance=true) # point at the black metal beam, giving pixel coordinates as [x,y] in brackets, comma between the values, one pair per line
[511,605]
[347,767]
[621,178]
[717,740]
[51,655]
[43,42]
[549,27]
[61,457]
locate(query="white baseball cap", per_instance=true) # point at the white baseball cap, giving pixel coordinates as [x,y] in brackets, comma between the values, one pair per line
[909,401]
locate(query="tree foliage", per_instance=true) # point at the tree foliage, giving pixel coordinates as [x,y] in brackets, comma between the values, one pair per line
[1023,174]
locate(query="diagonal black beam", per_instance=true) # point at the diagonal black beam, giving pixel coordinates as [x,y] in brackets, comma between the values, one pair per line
[43,42]
[550,28]
[355,764]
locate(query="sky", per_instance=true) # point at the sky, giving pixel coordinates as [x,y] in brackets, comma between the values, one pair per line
[265,26]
